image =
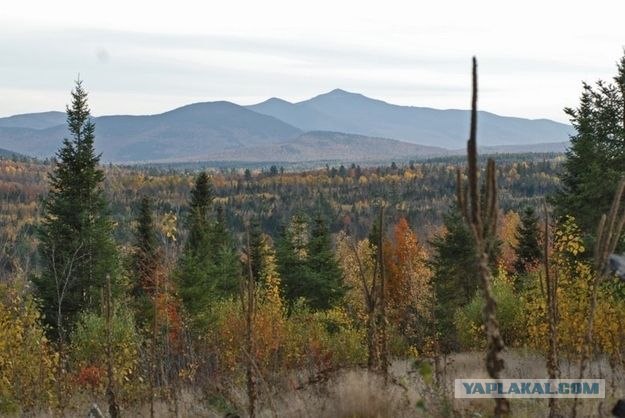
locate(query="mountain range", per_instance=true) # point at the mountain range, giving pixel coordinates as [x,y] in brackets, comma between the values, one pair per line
[338,126]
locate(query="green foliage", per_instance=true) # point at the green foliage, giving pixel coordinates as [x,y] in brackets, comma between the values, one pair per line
[455,275]
[27,361]
[88,350]
[468,320]
[146,260]
[327,278]
[528,250]
[209,266]
[324,339]
[307,264]
[76,248]
[595,162]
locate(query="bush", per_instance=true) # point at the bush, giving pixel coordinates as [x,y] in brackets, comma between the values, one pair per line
[27,361]
[469,322]
[89,345]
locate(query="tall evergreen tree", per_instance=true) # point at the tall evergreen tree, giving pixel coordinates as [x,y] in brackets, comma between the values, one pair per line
[76,245]
[200,205]
[292,256]
[327,278]
[455,274]
[146,259]
[209,266]
[595,160]
[256,246]
[528,248]
[307,264]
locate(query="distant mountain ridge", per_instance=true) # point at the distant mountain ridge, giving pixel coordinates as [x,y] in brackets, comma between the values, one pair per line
[343,111]
[40,120]
[195,130]
[335,126]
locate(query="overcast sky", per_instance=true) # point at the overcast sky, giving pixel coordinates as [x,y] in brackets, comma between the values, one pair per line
[140,57]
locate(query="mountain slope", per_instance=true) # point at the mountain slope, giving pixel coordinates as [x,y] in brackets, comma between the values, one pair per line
[181,133]
[331,146]
[342,111]
[34,120]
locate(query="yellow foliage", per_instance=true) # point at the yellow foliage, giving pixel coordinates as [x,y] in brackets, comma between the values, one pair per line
[27,362]
[574,284]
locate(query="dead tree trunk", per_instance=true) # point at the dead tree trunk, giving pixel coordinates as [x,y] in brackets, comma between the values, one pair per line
[110,389]
[553,366]
[483,227]
[249,292]
[382,321]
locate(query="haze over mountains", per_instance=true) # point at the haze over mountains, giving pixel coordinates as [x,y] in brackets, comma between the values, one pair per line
[338,125]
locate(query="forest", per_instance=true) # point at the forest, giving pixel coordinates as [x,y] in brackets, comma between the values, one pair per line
[337,291]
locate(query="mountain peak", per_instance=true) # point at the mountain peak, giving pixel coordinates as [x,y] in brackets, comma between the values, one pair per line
[337,95]
[275,101]
[340,93]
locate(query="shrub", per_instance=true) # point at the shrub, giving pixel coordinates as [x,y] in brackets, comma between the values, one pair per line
[27,361]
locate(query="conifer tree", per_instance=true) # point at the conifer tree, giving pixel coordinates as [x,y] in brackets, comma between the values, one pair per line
[455,274]
[146,259]
[455,271]
[292,258]
[595,161]
[307,264]
[209,266]
[76,245]
[327,278]
[528,248]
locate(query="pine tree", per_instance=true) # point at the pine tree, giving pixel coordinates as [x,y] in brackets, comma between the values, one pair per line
[202,196]
[456,277]
[528,248]
[209,266]
[146,259]
[292,255]
[307,264]
[327,278]
[76,245]
[595,162]
[256,247]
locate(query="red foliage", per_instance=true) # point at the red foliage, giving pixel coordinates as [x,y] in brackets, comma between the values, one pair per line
[91,376]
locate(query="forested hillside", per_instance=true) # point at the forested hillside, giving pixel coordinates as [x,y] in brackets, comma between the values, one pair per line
[347,197]
[354,291]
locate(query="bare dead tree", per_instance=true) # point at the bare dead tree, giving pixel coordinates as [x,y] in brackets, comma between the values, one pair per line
[553,367]
[154,349]
[382,320]
[110,387]
[62,281]
[373,290]
[483,227]
[370,296]
[248,298]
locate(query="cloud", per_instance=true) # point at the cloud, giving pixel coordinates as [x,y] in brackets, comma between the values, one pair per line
[123,68]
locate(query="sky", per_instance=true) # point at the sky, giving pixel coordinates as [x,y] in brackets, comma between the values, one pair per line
[145,57]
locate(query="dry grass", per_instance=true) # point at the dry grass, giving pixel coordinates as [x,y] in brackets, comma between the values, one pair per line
[355,393]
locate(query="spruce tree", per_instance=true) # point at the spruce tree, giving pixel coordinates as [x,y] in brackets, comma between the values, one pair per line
[528,248]
[595,161]
[76,247]
[256,247]
[307,265]
[292,256]
[200,205]
[209,266]
[146,260]
[326,284]
[456,277]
